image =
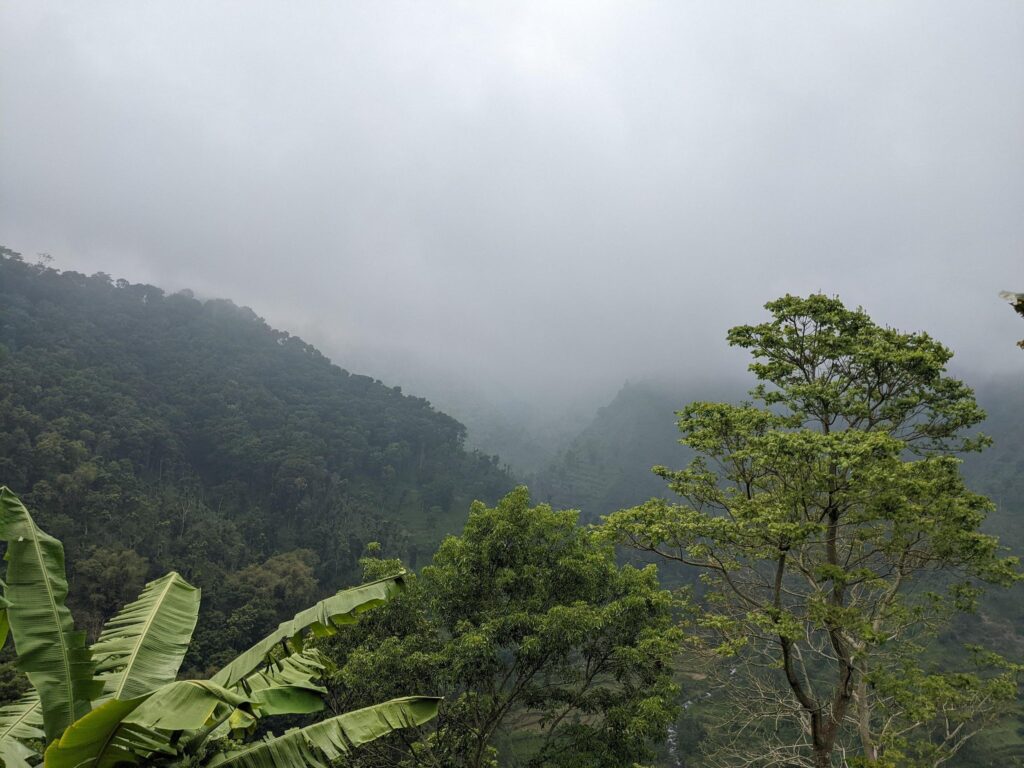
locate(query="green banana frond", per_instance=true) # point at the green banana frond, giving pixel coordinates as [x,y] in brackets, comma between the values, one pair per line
[298,669]
[142,647]
[5,625]
[128,731]
[50,651]
[20,720]
[321,619]
[99,739]
[320,744]
[287,686]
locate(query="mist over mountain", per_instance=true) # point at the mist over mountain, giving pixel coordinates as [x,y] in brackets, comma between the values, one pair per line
[409,296]
[547,199]
[524,430]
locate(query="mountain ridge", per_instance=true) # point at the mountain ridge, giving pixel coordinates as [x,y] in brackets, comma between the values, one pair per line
[153,432]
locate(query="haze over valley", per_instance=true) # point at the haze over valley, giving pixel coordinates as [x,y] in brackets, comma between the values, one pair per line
[559,384]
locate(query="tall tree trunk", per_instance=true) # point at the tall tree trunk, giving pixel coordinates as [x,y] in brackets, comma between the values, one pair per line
[864,719]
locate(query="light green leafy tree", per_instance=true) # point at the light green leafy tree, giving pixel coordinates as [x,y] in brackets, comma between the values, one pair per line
[547,651]
[118,702]
[836,536]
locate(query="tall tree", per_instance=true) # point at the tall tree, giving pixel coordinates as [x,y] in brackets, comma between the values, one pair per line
[835,533]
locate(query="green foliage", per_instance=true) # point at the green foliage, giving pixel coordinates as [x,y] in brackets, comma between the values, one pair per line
[322,744]
[321,620]
[50,652]
[835,534]
[154,432]
[105,580]
[142,648]
[547,652]
[20,722]
[134,710]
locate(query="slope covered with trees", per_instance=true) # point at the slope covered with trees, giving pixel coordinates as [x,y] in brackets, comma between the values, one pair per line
[607,466]
[154,432]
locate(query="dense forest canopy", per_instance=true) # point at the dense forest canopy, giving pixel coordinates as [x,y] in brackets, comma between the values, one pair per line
[547,652]
[154,432]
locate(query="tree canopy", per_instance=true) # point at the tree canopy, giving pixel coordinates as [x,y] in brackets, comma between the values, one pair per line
[545,649]
[835,534]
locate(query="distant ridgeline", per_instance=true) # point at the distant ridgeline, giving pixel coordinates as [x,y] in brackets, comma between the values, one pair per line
[154,432]
[608,467]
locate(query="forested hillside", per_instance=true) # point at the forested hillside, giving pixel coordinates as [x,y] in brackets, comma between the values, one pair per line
[156,433]
[608,465]
[153,432]
[998,472]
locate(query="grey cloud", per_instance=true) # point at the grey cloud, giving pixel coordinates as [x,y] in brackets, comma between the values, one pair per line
[550,197]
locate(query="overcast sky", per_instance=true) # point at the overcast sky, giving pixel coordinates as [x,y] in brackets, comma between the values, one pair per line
[555,195]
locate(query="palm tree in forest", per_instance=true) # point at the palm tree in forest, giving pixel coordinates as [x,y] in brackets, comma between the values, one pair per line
[118,702]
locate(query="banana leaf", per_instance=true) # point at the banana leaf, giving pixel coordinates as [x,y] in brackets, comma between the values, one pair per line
[287,687]
[128,731]
[321,619]
[5,625]
[19,721]
[298,669]
[142,647]
[50,651]
[320,744]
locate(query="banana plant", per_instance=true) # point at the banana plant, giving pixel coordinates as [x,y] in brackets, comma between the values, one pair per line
[118,702]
